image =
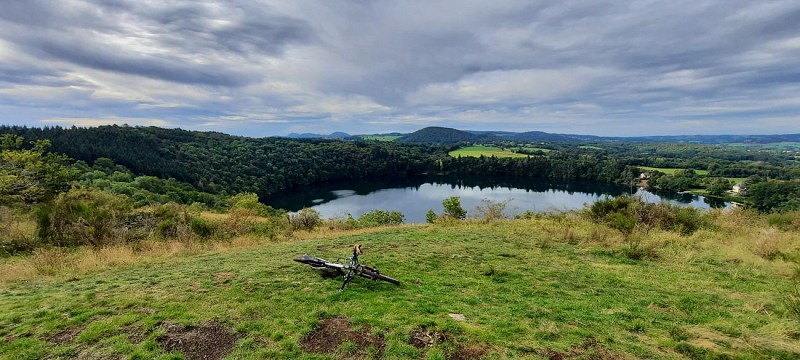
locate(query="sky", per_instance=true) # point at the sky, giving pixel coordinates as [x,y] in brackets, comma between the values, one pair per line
[265,68]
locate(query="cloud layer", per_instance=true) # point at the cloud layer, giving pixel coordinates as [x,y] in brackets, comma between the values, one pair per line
[272,67]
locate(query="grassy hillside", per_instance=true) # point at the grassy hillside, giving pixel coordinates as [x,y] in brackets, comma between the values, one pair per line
[549,287]
[478,151]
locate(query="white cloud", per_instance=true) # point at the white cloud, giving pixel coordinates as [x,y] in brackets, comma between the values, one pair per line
[513,86]
[91,122]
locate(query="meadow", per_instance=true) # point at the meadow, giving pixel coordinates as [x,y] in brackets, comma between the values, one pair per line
[671,171]
[478,151]
[554,286]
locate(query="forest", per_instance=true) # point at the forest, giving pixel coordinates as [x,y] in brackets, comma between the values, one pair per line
[154,165]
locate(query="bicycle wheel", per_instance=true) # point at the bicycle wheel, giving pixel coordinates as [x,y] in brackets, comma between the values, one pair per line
[369,274]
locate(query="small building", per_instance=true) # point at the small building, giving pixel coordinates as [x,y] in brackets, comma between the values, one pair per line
[739,189]
[645,175]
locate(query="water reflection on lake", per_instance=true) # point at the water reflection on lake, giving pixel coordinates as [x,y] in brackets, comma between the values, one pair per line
[414,196]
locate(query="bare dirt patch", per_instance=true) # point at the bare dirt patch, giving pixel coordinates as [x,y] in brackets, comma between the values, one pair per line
[66,336]
[469,352]
[135,334]
[422,338]
[332,332]
[208,341]
[590,349]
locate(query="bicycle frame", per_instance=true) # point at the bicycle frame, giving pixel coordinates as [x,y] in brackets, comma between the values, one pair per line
[350,269]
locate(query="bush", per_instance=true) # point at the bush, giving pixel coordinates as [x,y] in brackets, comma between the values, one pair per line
[430,216]
[83,217]
[491,210]
[174,221]
[453,209]
[788,221]
[627,213]
[250,202]
[342,222]
[201,227]
[306,219]
[381,218]
[17,232]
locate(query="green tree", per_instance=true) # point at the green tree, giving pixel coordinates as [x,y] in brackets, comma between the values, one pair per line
[452,208]
[31,175]
[719,186]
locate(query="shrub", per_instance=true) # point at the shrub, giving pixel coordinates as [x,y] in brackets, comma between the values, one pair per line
[174,221]
[201,227]
[342,222]
[491,210]
[767,245]
[306,219]
[250,202]
[17,232]
[430,216]
[626,214]
[83,217]
[788,221]
[453,209]
[381,218]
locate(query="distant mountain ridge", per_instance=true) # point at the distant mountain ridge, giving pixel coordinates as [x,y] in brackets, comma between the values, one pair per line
[334,135]
[443,135]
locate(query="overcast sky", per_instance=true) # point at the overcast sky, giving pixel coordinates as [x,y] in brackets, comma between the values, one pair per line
[262,68]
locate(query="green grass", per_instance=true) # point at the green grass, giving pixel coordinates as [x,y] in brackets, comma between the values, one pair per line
[532,148]
[590,147]
[523,287]
[477,151]
[380,137]
[671,171]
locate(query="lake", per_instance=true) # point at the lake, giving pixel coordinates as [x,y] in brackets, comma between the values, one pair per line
[414,196]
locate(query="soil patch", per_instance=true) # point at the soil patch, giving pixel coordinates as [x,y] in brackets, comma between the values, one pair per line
[468,352]
[208,341]
[66,336]
[422,338]
[332,332]
[135,334]
[590,349]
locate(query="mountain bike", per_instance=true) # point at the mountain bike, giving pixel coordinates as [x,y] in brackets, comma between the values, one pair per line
[350,269]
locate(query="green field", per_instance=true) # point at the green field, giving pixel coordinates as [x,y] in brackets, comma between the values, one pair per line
[590,147]
[552,287]
[478,151]
[380,137]
[531,148]
[671,171]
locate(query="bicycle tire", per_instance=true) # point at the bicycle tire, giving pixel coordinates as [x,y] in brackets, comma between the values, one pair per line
[378,276]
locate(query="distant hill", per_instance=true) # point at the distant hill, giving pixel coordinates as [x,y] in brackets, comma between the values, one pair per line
[439,135]
[335,135]
[697,139]
[540,136]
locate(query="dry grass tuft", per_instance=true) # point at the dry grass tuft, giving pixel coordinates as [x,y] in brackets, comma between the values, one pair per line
[767,244]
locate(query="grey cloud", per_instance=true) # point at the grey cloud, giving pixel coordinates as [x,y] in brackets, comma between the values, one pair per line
[406,57]
[78,32]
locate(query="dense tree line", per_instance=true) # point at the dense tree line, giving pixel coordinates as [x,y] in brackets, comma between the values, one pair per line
[555,166]
[153,165]
[220,163]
